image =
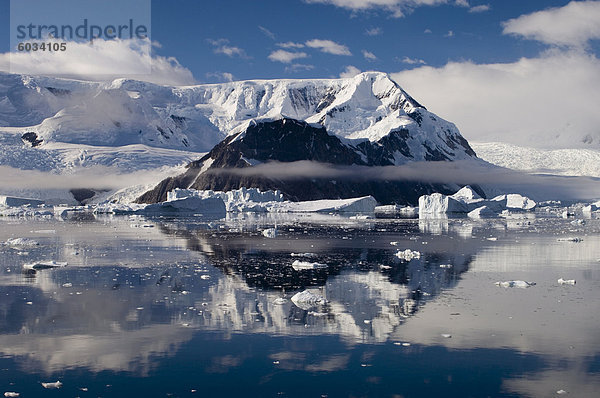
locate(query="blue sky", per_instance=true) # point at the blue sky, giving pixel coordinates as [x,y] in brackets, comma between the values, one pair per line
[184,28]
[236,37]
[517,71]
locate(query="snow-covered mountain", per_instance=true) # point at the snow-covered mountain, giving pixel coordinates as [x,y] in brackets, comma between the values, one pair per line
[123,112]
[370,115]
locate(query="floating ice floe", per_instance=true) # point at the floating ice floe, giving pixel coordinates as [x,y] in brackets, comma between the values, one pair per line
[307,299]
[52,385]
[562,281]
[446,335]
[360,217]
[44,265]
[466,200]
[307,265]
[574,239]
[21,242]
[519,284]
[307,255]
[270,232]
[408,254]
[11,394]
[280,301]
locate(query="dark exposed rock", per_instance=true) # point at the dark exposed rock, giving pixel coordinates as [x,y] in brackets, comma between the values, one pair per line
[31,138]
[289,140]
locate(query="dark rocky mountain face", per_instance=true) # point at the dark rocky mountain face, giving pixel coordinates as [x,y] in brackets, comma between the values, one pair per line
[289,140]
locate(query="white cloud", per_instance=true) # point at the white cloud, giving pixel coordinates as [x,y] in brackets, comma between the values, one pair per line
[286,56]
[373,32]
[221,46]
[298,67]
[369,56]
[328,46]
[100,61]
[548,101]
[572,25]
[480,8]
[267,32]
[290,44]
[412,61]
[349,72]
[462,3]
[221,76]
[427,31]
[449,34]
[397,7]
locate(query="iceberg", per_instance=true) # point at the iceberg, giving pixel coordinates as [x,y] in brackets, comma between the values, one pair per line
[13,201]
[307,299]
[466,200]
[482,212]
[408,254]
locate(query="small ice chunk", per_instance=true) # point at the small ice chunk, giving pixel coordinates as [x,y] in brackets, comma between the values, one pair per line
[519,284]
[303,255]
[360,217]
[445,265]
[204,277]
[408,254]
[394,243]
[446,335]
[307,299]
[45,231]
[11,394]
[52,385]
[562,281]
[280,301]
[44,265]
[270,232]
[307,265]
[561,392]
[575,239]
[21,242]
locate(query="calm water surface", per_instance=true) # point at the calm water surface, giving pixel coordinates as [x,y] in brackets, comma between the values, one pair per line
[193,307]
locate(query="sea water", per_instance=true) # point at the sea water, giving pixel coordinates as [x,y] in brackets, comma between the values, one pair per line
[186,307]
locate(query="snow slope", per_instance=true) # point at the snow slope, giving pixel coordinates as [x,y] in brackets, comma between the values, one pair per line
[195,118]
[565,162]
